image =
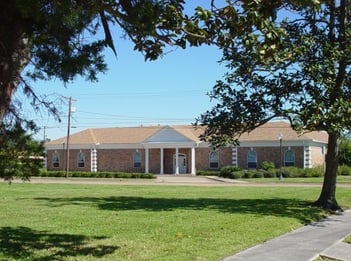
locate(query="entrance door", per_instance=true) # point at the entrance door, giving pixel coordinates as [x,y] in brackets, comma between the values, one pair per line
[181,162]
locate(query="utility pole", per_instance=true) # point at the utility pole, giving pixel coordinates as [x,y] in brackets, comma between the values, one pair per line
[68,134]
[44,135]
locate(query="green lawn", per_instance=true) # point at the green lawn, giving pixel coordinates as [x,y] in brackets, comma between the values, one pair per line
[348,239]
[89,222]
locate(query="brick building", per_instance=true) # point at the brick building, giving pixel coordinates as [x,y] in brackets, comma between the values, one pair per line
[153,149]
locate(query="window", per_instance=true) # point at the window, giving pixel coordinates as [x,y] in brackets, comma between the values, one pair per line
[252,159]
[214,160]
[137,159]
[289,158]
[56,160]
[81,160]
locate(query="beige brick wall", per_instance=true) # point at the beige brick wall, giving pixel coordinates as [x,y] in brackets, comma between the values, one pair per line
[154,160]
[122,159]
[73,160]
[118,160]
[269,154]
[203,157]
[317,156]
[49,158]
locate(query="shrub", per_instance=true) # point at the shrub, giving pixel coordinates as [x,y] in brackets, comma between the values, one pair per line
[109,175]
[147,176]
[77,174]
[55,173]
[313,172]
[248,174]
[291,172]
[237,174]
[226,172]
[103,174]
[123,175]
[267,165]
[257,174]
[135,175]
[92,174]
[344,170]
[207,173]
[252,173]
[270,173]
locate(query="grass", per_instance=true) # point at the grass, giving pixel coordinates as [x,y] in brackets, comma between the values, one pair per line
[348,239]
[325,259]
[89,222]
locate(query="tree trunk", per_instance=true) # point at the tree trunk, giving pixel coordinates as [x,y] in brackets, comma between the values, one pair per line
[6,92]
[14,54]
[327,198]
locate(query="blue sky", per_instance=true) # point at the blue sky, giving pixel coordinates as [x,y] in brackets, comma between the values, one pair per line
[169,91]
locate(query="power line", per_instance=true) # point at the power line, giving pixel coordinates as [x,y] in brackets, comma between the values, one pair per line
[128,117]
[151,93]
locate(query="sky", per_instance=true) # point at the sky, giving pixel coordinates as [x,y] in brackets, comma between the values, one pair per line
[169,91]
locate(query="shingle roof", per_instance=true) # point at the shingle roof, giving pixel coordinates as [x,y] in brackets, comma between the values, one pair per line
[123,135]
[136,135]
[272,130]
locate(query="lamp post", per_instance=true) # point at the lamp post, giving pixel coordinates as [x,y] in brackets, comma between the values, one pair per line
[63,156]
[280,156]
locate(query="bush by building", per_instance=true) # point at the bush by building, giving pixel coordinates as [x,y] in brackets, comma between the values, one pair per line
[344,170]
[268,165]
[207,173]
[83,174]
[228,172]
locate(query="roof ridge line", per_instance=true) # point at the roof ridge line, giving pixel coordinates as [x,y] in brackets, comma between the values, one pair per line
[92,134]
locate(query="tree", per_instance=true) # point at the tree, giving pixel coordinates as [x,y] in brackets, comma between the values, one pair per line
[61,39]
[345,151]
[20,155]
[287,59]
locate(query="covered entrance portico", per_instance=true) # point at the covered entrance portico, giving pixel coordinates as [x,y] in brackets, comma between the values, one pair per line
[171,159]
[173,150]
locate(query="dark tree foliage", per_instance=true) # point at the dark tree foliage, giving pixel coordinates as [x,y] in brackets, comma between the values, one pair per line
[20,155]
[63,39]
[345,151]
[287,59]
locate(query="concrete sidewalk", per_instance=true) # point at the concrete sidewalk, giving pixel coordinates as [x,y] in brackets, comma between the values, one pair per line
[306,243]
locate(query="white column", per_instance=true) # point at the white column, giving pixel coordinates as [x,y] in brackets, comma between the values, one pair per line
[235,156]
[193,170]
[307,157]
[161,161]
[93,160]
[177,162]
[146,160]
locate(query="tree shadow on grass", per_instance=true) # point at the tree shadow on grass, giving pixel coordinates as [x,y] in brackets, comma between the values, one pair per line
[26,243]
[294,208]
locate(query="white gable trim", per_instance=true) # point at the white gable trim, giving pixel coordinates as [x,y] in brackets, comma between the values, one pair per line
[167,145]
[167,135]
